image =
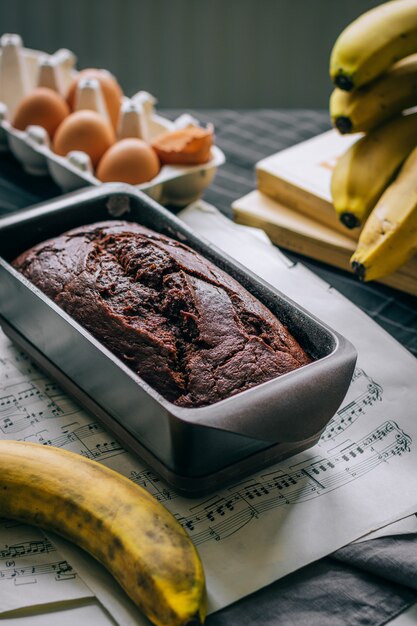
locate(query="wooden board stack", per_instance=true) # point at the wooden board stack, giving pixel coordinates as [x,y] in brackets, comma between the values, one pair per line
[292,204]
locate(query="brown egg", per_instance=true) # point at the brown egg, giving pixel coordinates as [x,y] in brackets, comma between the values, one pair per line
[41,107]
[128,161]
[112,92]
[86,131]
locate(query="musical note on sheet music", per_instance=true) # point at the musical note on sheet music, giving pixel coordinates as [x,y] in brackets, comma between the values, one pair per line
[27,548]
[61,570]
[154,484]
[89,440]
[24,404]
[369,392]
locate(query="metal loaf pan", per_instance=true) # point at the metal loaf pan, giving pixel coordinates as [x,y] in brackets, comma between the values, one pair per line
[195,449]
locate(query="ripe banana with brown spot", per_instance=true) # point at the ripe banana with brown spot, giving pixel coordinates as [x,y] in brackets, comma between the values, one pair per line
[367,107]
[368,166]
[373,42]
[135,537]
[389,237]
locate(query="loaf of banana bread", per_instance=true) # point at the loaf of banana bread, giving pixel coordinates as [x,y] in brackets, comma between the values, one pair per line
[182,324]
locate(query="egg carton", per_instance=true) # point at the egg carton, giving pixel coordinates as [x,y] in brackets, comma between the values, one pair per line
[23,69]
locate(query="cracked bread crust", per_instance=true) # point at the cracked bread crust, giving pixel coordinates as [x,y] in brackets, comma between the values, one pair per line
[182,324]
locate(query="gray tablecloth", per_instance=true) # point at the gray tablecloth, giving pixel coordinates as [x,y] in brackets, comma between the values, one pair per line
[363,584]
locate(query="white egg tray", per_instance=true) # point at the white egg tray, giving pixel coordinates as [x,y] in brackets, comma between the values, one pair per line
[175,184]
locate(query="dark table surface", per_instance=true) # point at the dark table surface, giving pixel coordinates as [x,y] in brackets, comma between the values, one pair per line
[363,584]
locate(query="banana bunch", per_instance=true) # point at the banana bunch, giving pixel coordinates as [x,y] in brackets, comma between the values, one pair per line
[373,65]
[390,237]
[368,106]
[119,523]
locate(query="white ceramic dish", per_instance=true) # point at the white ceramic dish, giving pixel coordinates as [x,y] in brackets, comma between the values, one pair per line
[22,69]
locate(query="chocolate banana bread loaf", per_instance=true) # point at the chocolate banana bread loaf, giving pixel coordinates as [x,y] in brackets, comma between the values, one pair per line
[186,327]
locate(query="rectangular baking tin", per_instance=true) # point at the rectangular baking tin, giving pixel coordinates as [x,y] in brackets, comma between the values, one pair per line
[194,449]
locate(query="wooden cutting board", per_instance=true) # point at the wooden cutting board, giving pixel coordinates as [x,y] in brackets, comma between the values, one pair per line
[299,177]
[296,231]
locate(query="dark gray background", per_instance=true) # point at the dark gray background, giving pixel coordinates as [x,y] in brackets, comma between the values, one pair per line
[196,53]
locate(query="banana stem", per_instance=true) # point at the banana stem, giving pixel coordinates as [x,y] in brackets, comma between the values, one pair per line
[344,82]
[343,124]
[349,220]
[359,269]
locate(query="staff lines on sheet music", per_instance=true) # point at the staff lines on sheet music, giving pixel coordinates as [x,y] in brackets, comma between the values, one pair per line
[354,409]
[27,407]
[27,548]
[152,483]
[62,570]
[25,401]
[222,517]
[91,440]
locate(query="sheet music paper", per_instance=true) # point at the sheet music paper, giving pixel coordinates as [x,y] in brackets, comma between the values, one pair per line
[91,614]
[358,478]
[405,526]
[33,572]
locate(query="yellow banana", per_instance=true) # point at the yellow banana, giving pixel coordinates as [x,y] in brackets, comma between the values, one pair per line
[370,105]
[368,166]
[135,537]
[389,237]
[373,42]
